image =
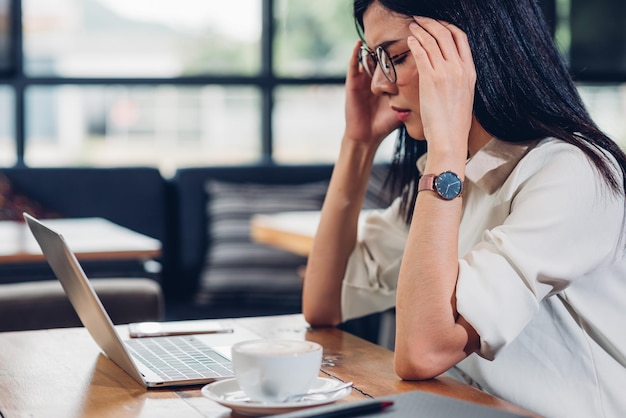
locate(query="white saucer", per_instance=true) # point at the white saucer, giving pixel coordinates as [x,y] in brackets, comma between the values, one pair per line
[228,393]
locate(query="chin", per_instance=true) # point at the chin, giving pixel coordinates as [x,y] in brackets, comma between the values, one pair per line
[415,132]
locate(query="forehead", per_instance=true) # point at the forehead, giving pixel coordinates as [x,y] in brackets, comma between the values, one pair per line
[383,26]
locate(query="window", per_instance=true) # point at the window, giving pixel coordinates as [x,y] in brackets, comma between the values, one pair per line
[141,38]
[199,82]
[7,131]
[607,106]
[171,84]
[6,63]
[166,125]
[591,36]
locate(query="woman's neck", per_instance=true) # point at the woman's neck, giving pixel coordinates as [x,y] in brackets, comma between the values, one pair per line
[478,137]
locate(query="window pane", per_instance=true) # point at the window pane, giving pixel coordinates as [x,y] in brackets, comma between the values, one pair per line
[309,123]
[5,31]
[7,127]
[162,126]
[141,38]
[598,37]
[607,106]
[313,38]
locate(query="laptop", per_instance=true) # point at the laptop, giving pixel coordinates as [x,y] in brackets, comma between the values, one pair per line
[153,362]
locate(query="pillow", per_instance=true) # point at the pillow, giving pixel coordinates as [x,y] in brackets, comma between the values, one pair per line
[237,267]
[12,204]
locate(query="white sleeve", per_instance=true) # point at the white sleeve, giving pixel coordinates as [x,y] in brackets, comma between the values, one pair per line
[564,222]
[371,278]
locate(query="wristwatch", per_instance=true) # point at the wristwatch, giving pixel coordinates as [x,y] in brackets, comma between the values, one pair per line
[447,185]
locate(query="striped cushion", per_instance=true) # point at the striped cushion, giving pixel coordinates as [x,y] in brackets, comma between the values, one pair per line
[236,266]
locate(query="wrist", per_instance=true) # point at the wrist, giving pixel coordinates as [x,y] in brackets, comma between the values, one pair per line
[439,160]
[438,167]
[358,149]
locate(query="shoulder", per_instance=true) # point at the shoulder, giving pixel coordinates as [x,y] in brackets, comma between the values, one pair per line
[555,161]
[559,175]
[552,151]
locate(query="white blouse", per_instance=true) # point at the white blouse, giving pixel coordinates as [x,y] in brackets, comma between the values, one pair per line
[542,277]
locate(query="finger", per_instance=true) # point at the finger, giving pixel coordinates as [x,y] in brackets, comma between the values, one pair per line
[463,48]
[420,55]
[428,43]
[442,36]
[462,43]
[354,66]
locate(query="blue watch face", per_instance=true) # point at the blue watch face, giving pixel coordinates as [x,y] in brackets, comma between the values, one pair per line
[448,185]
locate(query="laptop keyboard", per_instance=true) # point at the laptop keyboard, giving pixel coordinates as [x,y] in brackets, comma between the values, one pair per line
[180,357]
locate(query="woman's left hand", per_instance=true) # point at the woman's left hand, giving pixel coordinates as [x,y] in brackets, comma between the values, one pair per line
[447,78]
[430,334]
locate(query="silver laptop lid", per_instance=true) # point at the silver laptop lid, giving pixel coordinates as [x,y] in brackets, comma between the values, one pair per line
[82,295]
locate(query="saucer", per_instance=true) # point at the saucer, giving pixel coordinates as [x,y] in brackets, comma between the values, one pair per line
[228,393]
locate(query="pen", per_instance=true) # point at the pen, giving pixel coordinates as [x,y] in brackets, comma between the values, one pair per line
[350,410]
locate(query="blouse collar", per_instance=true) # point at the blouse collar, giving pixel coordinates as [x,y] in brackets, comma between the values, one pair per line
[489,168]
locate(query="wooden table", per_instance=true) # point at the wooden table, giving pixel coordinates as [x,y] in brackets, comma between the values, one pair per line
[91,239]
[290,231]
[62,373]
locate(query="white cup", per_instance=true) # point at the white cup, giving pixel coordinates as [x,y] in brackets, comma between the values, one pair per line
[272,370]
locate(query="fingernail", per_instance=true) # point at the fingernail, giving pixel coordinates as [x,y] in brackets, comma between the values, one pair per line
[413,25]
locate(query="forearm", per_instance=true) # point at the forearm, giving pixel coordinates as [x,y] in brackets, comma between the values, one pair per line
[430,338]
[336,235]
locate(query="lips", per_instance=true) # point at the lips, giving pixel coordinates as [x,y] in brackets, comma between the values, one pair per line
[401,114]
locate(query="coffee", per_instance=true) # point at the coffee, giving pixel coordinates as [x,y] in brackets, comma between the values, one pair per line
[272,370]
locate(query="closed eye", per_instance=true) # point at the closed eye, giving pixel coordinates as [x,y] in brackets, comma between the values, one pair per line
[399,58]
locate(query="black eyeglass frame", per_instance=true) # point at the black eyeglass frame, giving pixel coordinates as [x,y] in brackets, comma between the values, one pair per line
[378,56]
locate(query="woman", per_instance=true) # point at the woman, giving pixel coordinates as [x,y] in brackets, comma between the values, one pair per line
[514,277]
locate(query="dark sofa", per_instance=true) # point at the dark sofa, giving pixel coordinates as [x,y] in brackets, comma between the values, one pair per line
[133,197]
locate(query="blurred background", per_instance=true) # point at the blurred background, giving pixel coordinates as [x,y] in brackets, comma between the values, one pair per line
[198,82]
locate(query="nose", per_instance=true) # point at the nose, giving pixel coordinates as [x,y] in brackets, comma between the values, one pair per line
[380,85]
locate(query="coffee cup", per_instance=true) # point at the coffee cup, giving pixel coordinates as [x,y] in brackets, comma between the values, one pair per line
[272,370]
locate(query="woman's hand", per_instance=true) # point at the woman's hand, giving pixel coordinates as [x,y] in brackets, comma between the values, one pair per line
[447,78]
[369,118]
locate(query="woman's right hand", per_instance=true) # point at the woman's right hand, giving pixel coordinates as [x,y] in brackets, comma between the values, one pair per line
[369,118]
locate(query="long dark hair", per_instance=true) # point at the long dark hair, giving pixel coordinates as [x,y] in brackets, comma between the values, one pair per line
[524,91]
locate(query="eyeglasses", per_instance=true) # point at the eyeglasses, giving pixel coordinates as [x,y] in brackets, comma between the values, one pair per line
[370,59]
